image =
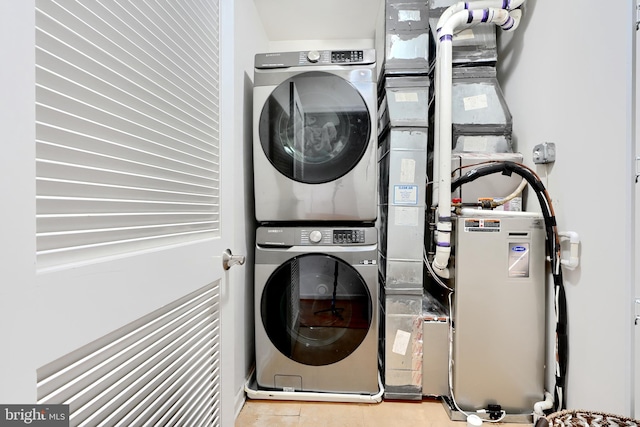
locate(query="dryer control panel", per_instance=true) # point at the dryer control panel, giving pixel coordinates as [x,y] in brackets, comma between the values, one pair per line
[315,236]
[315,57]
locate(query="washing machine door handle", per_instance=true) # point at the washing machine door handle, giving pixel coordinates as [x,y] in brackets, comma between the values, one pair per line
[229,259]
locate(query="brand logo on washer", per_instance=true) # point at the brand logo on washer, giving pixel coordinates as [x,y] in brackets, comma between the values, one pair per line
[275,230]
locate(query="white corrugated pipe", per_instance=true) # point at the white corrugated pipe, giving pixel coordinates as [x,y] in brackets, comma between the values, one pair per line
[443,119]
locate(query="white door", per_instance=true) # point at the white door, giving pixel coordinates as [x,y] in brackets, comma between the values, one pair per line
[118,314]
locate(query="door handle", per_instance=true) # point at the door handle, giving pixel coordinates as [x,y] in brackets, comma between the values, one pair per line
[229,259]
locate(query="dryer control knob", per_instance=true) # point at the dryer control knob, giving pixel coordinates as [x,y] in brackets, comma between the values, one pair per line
[313,56]
[315,236]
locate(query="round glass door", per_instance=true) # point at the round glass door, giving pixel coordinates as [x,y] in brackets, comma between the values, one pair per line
[316,309]
[314,127]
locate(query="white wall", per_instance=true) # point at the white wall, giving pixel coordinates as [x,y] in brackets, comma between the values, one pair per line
[567,78]
[249,38]
[17,186]
[295,45]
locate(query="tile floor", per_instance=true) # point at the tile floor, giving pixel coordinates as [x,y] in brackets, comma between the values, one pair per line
[273,413]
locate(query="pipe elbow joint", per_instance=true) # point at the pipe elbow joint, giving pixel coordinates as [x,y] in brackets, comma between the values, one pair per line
[441,272]
[515,16]
[574,248]
[441,261]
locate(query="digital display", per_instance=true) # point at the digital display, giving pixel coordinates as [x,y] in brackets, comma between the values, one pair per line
[347,56]
[348,236]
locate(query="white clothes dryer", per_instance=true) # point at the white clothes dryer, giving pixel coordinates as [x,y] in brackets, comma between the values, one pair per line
[316,309]
[315,136]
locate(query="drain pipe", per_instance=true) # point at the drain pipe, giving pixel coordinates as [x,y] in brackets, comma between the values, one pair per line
[510,5]
[540,407]
[443,120]
[513,7]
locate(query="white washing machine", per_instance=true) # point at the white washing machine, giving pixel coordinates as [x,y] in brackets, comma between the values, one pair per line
[316,309]
[314,136]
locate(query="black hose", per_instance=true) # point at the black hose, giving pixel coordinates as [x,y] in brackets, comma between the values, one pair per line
[507,168]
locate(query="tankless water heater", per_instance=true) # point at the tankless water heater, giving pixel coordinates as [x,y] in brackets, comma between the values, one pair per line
[499,312]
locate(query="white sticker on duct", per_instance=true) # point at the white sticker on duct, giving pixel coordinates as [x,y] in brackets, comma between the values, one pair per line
[415,48]
[406,97]
[464,35]
[475,143]
[475,102]
[401,342]
[405,194]
[407,170]
[406,216]
[408,15]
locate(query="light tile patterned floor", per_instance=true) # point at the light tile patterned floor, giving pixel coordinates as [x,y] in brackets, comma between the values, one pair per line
[428,413]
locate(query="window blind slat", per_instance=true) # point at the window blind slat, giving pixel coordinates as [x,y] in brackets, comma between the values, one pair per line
[138,150]
[175,38]
[53,54]
[155,367]
[86,254]
[125,178]
[84,221]
[127,127]
[131,97]
[52,188]
[132,54]
[96,109]
[60,205]
[82,133]
[156,167]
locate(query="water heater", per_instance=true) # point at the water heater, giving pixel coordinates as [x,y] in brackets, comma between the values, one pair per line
[499,312]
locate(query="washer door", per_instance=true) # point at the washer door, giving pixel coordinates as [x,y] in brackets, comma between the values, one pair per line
[316,309]
[314,127]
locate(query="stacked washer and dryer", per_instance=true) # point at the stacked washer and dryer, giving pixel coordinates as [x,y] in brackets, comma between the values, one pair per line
[316,274]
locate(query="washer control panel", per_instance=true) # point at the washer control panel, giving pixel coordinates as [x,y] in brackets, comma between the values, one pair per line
[342,236]
[348,236]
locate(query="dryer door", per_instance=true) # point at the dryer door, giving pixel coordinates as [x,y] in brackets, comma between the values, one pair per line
[316,309]
[315,127]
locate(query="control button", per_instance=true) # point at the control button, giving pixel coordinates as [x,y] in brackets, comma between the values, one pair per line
[315,236]
[313,56]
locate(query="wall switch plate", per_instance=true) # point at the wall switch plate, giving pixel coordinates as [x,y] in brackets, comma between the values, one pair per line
[544,153]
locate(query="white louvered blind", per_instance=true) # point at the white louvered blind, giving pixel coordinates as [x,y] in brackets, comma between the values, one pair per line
[127,132]
[162,370]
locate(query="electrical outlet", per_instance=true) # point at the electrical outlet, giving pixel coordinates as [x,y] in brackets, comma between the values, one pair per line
[544,153]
